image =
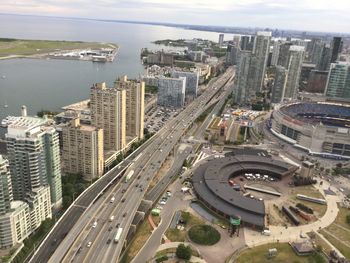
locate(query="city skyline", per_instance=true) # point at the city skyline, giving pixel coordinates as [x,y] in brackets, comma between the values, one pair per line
[300,15]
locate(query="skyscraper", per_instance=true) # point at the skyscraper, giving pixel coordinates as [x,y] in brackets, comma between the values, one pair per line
[275,53]
[135,106]
[192,79]
[108,112]
[242,93]
[245,40]
[284,54]
[259,60]
[279,85]
[221,40]
[338,83]
[6,196]
[33,152]
[82,151]
[295,61]
[323,62]
[336,47]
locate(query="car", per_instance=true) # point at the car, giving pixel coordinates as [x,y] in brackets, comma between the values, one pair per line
[123,191]
[136,185]
[124,215]
[112,199]
[89,244]
[108,241]
[117,225]
[110,228]
[123,200]
[111,218]
[94,225]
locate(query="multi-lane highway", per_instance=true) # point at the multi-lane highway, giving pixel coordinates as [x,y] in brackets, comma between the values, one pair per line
[92,237]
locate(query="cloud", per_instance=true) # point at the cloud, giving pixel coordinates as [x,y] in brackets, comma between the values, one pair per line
[316,15]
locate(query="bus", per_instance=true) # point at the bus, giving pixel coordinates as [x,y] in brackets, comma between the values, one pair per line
[117,236]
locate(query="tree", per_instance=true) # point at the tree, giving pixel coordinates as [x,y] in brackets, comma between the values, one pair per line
[183,252]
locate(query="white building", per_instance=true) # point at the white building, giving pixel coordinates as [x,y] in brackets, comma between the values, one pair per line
[171,92]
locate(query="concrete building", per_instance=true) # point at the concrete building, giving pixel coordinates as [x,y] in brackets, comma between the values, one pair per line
[279,86]
[338,83]
[317,81]
[242,93]
[108,112]
[295,61]
[275,53]
[259,60]
[171,92]
[192,79]
[325,58]
[231,54]
[283,54]
[82,151]
[6,196]
[307,169]
[160,58]
[33,152]
[305,73]
[135,106]
[336,47]
[221,40]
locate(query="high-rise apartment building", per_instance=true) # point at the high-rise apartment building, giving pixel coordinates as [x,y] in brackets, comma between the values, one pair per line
[259,59]
[82,151]
[279,85]
[336,47]
[338,83]
[231,54]
[33,152]
[6,196]
[324,61]
[221,40]
[245,42]
[295,61]
[242,93]
[108,112]
[135,106]
[275,53]
[171,92]
[284,54]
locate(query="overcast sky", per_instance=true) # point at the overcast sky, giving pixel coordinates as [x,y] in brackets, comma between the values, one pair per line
[314,15]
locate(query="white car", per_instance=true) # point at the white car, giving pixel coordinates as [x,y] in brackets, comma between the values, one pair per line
[94,225]
[89,244]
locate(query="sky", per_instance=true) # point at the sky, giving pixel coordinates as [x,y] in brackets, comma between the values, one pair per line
[310,15]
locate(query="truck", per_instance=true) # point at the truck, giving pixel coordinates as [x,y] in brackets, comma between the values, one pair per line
[128,176]
[117,236]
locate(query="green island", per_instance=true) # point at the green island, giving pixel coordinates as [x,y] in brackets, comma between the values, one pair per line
[12,48]
[171,42]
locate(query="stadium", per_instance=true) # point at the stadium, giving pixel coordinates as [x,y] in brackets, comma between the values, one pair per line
[321,129]
[211,184]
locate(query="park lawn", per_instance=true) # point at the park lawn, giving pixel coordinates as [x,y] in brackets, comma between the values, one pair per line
[320,242]
[345,250]
[285,253]
[20,47]
[176,235]
[341,217]
[309,190]
[142,234]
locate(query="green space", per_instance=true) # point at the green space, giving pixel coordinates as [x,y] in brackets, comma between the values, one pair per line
[170,42]
[341,230]
[183,252]
[176,235]
[72,186]
[204,235]
[34,240]
[143,232]
[49,114]
[285,253]
[21,47]
[309,190]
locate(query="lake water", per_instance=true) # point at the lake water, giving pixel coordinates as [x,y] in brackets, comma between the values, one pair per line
[51,84]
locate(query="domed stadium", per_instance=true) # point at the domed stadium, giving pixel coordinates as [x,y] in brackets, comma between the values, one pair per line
[321,129]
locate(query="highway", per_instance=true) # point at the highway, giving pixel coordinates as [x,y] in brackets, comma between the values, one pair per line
[128,196]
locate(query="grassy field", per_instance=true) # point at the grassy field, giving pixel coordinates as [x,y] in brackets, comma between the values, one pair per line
[142,234]
[341,230]
[176,235]
[19,47]
[285,253]
[204,235]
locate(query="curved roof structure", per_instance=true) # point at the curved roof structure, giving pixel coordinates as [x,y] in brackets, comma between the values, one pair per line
[210,182]
[325,113]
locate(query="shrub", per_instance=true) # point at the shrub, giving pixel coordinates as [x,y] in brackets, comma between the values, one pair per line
[183,252]
[204,235]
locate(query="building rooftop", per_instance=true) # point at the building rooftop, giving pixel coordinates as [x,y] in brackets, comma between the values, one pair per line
[21,126]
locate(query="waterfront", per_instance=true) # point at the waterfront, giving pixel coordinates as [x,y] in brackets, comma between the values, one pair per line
[51,84]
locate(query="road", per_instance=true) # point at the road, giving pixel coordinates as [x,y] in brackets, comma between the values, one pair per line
[144,168]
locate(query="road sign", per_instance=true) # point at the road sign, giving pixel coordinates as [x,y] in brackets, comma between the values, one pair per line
[235,221]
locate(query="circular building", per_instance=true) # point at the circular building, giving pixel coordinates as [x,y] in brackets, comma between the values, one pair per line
[210,182]
[321,129]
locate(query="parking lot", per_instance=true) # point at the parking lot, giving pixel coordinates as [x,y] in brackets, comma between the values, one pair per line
[158,116]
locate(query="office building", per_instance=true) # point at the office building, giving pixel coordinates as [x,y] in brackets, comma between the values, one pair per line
[336,47]
[82,151]
[231,54]
[245,43]
[135,106]
[338,83]
[317,81]
[324,61]
[192,79]
[295,61]
[279,86]
[33,152]
[221,40]
[171,92]
[108,112]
